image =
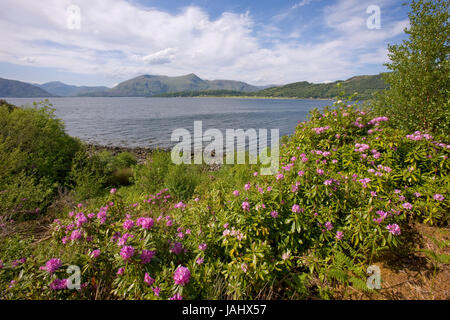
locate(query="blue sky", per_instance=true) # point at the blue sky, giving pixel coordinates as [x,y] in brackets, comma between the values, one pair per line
[261,42]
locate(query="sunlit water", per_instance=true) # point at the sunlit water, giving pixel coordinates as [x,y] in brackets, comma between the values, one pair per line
[149,122]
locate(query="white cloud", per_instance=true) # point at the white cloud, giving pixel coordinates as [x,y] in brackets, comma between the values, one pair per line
[301,4]
[121,40]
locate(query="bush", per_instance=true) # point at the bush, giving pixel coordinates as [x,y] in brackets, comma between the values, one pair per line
[34,141]
[348,185]
[181,180]
[150,176]
[35,158]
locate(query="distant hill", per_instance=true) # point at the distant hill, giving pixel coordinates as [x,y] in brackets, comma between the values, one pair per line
[365,86]
[18,89]
[150,85]
[61,89]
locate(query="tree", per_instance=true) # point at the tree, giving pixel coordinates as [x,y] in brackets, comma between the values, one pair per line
[418,97]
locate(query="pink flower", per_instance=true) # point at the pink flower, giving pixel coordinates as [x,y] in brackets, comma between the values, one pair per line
[200,260]
[52,265]
[394,229]
[407,206]
[296,208]
[328,225]
[236,193]
[339,235]
[113,191]
[245,206]
[127,252]
[75,235]
[128,224]
[156,291]
[145,223]
[274,214]
[244,267]
[148,280]
[94,254]
[202,246]
[180,205]
[247,186]
[438,197]
[176,248]
[301,173]
[181,276]
[58,284]
[279,176]
[176,296]
[319,172]
[147,255]
[120,271]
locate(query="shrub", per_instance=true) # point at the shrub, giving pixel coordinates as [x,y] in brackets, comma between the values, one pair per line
[34,140]
[35,158]
[181,180]
[150,176]
[348,184]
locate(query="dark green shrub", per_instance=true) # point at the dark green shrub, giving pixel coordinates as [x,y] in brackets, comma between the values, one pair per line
[35,158]
[33,139]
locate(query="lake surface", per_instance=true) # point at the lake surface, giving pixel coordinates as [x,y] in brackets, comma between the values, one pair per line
[149,122]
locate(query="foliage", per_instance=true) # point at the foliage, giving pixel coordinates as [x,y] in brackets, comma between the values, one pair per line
[35,158]
[349,182]
[418,98]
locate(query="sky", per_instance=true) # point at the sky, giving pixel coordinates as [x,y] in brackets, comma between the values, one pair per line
[261,42]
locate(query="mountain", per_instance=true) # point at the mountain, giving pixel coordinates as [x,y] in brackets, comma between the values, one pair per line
[61,89]
[150,85]
[18,89]
[365,86]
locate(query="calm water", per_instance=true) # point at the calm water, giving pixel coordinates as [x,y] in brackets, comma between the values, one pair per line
[149,122]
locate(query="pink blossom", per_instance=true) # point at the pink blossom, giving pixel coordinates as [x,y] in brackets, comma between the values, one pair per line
[120,271]
[148,280]
[146,256]
[127,252]
[181,276]
[394,229]
[407,206]
[245,206]
[52,265]
[438,197]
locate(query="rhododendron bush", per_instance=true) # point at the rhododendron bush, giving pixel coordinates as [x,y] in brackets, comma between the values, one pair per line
[348,185]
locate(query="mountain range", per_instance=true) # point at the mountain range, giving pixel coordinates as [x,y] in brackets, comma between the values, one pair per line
[192,85]
[150,85]
[61,89]
[18,89]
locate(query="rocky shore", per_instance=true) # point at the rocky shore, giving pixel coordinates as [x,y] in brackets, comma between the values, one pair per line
[140,153]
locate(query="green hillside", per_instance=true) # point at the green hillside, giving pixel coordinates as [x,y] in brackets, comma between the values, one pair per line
[365,86]
[150,85]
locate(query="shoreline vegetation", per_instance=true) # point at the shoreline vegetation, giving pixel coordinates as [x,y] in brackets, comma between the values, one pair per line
[358,209]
